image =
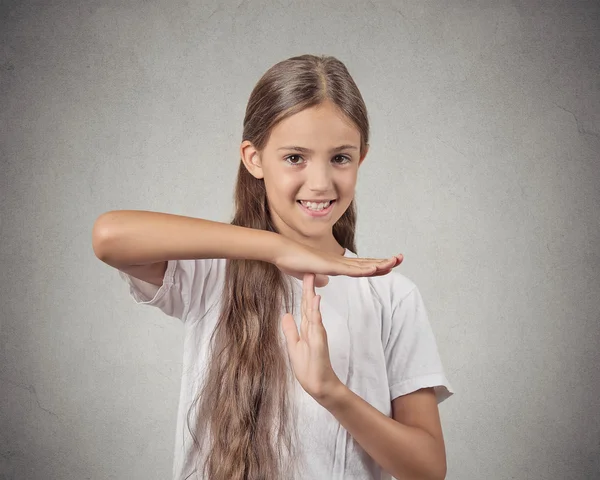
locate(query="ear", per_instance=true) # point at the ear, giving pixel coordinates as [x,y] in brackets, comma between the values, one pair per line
[363,155]
[251,159]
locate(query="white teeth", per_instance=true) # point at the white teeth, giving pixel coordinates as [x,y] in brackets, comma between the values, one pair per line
[316,206]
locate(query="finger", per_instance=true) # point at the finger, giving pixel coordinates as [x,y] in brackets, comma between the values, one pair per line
[305,307]
[304,296]
[316,310]
[381,273]
[317,333]
[371,269]
[305,278]
[311,287]
[385,271]
[321,280]
[386,268]
[350,267]
[304,324]
[358,270]
[308,288]
[290,331]
[371,260]
[397,260]
[380,261]
[387,263]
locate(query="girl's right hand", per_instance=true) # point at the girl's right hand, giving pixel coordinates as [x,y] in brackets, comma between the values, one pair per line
[296,259]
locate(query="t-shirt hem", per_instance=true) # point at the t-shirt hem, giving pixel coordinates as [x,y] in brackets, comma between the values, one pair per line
[142,299]
[437,381]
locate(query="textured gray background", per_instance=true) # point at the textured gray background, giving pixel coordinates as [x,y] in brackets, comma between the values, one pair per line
[484,171]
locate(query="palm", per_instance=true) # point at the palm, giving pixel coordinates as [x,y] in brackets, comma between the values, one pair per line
[308,349]
[320,280]
[297,260]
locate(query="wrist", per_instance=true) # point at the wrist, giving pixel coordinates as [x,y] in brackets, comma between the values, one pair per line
[333,397]
[257,244]
[275,247]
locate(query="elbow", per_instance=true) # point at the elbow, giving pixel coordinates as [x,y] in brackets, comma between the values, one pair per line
[102,232]
[440,471]
[438,464]
[437,474]
[435,471]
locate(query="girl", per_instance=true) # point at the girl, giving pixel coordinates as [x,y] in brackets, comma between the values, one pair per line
[346,389]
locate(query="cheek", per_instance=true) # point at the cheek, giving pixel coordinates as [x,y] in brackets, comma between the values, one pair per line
[347,182]
[282,185]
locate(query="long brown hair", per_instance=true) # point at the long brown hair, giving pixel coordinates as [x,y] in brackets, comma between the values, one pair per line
[243,409]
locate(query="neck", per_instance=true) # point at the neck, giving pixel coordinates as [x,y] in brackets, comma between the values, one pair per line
[329,246]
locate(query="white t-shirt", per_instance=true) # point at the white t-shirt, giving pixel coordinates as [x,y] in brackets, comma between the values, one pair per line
[380,342]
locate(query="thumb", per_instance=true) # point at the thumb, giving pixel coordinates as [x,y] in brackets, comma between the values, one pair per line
[290,330]
[321,280]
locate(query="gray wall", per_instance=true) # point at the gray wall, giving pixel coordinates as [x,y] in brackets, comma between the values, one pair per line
[484,171]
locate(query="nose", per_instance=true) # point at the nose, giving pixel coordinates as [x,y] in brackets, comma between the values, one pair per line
[319,177]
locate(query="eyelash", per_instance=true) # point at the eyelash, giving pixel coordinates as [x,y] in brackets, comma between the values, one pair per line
[348,160]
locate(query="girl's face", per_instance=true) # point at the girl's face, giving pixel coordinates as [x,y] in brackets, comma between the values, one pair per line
[312,156]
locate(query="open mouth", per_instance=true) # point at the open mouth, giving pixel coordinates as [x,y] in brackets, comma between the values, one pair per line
[315,209]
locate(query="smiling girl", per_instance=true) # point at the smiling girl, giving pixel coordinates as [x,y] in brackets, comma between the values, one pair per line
[301,360]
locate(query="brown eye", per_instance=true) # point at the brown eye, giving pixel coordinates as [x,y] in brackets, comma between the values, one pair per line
[343,159]
[290,159]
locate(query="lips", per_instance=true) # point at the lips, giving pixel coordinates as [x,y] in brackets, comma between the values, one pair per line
[317,213]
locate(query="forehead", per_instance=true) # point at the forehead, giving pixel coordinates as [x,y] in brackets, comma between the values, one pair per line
[321,125]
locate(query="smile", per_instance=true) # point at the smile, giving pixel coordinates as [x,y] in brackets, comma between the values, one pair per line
[321,209]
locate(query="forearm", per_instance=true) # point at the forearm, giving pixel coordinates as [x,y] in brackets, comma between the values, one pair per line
[132,237]
[406,452]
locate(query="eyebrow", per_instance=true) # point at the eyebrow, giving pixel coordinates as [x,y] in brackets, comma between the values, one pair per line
[308,150]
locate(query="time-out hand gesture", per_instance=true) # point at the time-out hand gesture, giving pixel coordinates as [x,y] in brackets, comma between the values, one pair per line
[297,259]
[308,349]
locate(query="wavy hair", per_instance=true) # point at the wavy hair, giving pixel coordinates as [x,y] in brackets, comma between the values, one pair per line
[243,409]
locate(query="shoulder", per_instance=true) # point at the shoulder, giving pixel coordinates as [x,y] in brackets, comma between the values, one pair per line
[389,290]
[394,285]
[392,289]
[196,277]
[190,271]
[200,282]
[200,264]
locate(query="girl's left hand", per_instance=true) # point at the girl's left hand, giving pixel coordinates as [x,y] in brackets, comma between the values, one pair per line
[308,350]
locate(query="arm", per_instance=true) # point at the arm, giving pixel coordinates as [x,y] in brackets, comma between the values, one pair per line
[410,445]
[140,242]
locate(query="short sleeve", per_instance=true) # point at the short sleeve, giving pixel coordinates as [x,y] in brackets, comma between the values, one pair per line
[182,292]
[412,357]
